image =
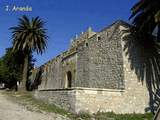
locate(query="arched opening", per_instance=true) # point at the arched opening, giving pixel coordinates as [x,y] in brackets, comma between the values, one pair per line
[69,79]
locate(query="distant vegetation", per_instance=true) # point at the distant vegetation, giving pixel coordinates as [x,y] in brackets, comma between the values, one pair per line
[11,67]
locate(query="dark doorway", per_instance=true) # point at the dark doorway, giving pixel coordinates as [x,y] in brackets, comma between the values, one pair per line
[69,79]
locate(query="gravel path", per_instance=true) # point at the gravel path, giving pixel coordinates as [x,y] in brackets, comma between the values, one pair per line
[13,111]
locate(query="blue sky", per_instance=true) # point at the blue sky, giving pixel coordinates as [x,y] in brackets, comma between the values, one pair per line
[64,19]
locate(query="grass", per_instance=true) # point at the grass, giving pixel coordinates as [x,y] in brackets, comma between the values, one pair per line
[103,116]
[26,99]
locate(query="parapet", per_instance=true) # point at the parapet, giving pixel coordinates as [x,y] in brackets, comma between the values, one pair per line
[82,37]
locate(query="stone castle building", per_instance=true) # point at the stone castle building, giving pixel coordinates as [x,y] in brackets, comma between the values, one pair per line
[96,74]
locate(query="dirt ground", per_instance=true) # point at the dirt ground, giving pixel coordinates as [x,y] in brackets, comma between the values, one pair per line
[13,111]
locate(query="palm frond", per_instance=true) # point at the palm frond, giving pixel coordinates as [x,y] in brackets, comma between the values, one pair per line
[29,35]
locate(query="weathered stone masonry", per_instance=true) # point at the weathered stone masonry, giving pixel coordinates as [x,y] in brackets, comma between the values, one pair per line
[94,75]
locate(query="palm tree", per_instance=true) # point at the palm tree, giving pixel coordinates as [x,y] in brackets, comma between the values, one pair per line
[146,20]
[146,16]
[29,36]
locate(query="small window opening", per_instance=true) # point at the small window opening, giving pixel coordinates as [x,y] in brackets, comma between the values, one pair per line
[99,38]
[69,79]
[86,44]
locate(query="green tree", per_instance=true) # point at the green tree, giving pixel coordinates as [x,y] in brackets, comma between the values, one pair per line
[29,36]
[4,70]
[11,66]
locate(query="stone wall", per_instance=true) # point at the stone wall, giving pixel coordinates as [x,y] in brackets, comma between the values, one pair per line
[136,91]
[94,100]
[95,62]
[52,74]
[98,100]
[63,98]
[108,100]
[69,64]
[128,59]
[100,62]
[106,75]
[82,66]
[82,99]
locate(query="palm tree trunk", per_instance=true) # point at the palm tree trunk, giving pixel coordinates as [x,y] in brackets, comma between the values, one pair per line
[25,74]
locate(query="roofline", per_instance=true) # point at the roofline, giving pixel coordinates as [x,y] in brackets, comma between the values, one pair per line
[117,22]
